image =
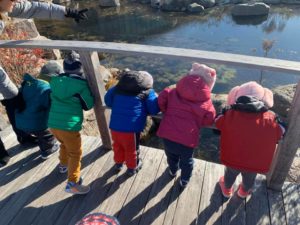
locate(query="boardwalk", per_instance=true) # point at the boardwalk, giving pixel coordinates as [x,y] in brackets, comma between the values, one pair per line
[31,192]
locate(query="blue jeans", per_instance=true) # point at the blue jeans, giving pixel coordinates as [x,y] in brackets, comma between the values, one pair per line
[179,156]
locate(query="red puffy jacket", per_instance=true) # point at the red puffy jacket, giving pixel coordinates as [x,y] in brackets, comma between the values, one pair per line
[248,140]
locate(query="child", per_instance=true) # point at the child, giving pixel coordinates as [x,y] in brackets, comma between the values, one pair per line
[70,95]
[131,100]
[186,108]
[249,133]
[33,107]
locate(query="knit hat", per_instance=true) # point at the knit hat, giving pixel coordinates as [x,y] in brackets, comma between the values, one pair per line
[98,219]
[208,74]
[72,64]
[51,68]
[251,89]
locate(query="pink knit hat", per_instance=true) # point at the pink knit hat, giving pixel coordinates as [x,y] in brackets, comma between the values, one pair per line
[208,74]
[251,89]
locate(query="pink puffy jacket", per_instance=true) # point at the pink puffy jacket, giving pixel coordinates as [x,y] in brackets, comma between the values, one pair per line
[186,109]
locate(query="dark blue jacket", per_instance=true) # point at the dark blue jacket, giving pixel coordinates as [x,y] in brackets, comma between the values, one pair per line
[129,112]
[36,95]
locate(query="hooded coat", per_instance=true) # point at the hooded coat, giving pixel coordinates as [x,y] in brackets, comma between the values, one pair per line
[70,95]
[186,109]
[131,100]
[36,97]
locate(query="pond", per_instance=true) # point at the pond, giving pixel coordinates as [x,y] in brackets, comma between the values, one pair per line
[275,36]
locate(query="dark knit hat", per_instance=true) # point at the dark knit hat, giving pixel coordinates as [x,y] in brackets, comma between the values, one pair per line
[51,68]
[72,64]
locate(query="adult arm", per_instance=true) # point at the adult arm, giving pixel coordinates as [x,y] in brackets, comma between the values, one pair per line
[39,10]
[7,88]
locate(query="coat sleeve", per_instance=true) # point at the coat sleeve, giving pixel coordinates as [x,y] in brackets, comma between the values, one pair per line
[109,96]
[86,98]
[163,99]
[39,10]
[8,89]
[152,103]
[45,100]
[209,116]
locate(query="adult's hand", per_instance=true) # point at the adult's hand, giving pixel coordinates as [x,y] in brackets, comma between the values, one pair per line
[76,14]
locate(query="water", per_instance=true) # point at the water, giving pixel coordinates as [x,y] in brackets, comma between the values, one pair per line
[215,30]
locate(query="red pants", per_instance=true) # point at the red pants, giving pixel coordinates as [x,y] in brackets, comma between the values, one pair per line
[125,147]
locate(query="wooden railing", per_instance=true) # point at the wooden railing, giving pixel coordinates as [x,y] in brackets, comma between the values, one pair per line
[88,51]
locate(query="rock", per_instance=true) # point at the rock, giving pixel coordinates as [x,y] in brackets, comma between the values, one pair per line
[194,8]
[105,73]
[27,26]
[283,97]
[272,2]
[172,5]
[294,2]
[49,53]
[250,9]
[155,4]
[145,1]
[219,101]
[206,3]
[60,1]
[109,3]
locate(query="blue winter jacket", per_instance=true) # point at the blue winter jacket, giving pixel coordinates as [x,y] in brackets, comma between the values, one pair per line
[129,112]
[36,95]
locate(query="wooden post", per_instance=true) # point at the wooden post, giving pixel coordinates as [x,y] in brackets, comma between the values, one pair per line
[287,149]
[91,66]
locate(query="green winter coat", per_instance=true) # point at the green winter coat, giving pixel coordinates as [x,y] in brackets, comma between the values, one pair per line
[70,95]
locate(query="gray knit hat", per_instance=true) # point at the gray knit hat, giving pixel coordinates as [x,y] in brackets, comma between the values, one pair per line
[51,68]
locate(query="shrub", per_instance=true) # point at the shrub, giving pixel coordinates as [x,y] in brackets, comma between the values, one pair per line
[17,62]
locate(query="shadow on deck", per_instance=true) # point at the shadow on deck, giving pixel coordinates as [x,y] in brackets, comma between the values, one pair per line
[32,192]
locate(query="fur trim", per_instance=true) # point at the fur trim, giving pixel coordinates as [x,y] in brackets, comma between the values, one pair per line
[251,89]
[208,74]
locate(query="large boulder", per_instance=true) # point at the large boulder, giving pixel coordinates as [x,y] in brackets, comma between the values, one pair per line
[173,5]
[27,26]
[294,2]
[272,2]
[109,3]
[250,9]
[155,4]
[206,3]
[283,97]
[195,8]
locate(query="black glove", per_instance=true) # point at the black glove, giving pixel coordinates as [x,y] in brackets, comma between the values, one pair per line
[77,15]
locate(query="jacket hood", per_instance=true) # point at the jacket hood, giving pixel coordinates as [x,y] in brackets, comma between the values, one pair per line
[249,104]
[66,85]
[134,82]
[33,83]
[193,88]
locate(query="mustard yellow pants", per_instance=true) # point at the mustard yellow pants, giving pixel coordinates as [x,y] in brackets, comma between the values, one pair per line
[70,152]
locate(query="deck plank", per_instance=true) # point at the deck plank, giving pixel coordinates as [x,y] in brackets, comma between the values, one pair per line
[42,195]
[160,196]
[72,209]
[291,199]
[141,188]
[55,198]
[118,192]
[190,197]
[257,206]
[277,211]
[210,209]
[233,209]
[34,193]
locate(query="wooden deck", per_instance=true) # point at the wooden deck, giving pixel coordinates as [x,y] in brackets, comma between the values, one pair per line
[32,192]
